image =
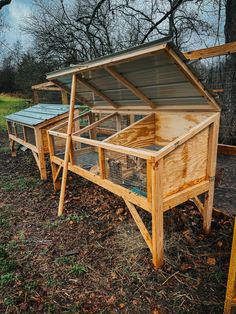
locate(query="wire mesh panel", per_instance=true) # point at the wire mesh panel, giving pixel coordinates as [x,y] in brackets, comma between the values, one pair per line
[59,146]
[20,131]
[127,171]
[86,157]
[30,135]
[49,97]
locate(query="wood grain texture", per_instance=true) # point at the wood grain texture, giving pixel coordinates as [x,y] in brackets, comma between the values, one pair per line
[186,165]
[138,135]
[170,125]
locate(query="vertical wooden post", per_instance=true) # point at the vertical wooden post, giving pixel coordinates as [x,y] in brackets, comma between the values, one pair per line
[64,97]
[41,155]
[157,215]
[118,122]
[25,134]
[231,283]
[102,165]
[35,97]
[68,145]
[12,146]
[54,167]
[131,119]
[211,169]
[149,183]
[92,132]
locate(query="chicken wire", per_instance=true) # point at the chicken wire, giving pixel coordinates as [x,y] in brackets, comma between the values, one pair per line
[127,171]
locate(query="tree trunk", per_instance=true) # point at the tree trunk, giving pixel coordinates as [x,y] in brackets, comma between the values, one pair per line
[228,120]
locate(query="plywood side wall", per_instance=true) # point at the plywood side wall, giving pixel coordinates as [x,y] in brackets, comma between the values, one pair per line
[170,125]
[139,135]
[186,165]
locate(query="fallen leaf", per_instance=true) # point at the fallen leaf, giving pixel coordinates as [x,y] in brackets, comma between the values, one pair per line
[120,211]
[111,300]
[114,275]
[121,306]
[211,261]
[187,236]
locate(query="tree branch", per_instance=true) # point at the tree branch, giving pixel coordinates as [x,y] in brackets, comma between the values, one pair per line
[174,7]
[4,2]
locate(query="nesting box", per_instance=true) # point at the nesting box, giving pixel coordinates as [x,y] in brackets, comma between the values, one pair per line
[28,128]
[151,136]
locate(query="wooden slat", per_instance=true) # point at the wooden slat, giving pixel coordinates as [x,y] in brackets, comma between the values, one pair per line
[182,196]
[102,166]
[199,204]
[24,143]
[226,150]
[36,159]
[95,124]
[107,184]
[41,153]
[119,77]
[115,148]
[45,86]
[96,91]
[137,135]
[142,228]
[211,51]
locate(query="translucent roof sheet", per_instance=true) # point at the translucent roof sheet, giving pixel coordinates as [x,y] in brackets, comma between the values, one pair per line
[38,114]
[157,70]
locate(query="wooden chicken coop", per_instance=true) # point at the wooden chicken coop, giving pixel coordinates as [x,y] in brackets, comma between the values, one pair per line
[28,128]
[151,137]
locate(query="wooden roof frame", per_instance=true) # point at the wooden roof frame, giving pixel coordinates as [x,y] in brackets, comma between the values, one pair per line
[210,52]
[108,63]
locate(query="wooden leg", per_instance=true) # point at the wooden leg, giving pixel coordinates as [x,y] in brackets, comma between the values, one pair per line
[42,166]
[55,175]
[208,207]
[12,146]
[157,216]
[211,170]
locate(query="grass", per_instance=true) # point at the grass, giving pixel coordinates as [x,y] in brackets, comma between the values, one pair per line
[19,184]
[8,105]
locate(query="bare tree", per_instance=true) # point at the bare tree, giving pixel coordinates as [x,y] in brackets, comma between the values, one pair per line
[228,134]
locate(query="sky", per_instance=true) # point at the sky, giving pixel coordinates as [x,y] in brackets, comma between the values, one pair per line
[15,13]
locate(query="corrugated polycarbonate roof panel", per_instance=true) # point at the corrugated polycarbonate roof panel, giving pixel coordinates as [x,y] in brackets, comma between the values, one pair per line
[38,114]
[156,74]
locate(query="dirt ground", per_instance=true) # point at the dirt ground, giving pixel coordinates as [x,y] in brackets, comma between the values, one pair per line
[93,259]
